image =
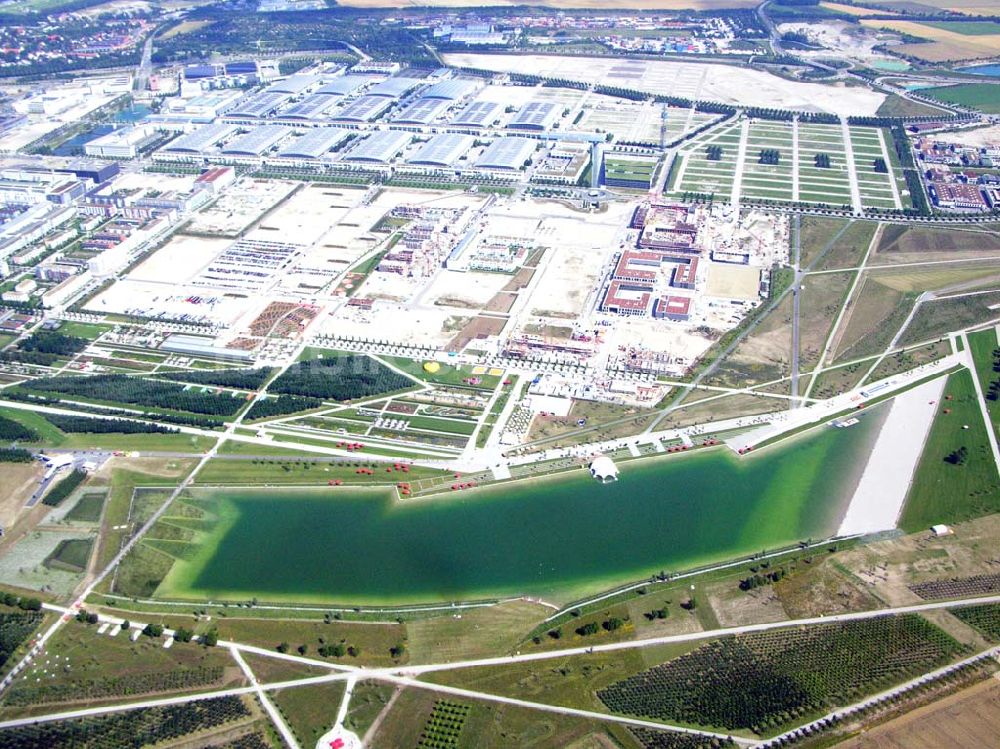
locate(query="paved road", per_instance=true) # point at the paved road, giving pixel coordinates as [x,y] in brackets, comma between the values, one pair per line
[852,169]
[286,733]
[796,297]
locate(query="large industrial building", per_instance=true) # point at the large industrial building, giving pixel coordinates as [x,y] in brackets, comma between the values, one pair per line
[256,142]
[508,154]
[295,84]
[201,140]
[443,150]
[422,112]
[394,87]
[345,85]
[124,143]
[259,106]
[364,109]
[478,114]
[310,108]
[454,89]
[314,144]
[380,147]
[535,116]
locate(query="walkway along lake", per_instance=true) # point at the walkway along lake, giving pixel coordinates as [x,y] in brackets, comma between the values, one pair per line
[558,537]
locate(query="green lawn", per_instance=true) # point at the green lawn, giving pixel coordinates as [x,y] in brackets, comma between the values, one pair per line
[123,484]
[445,375]
[310,711]
[88,508]
[72,553]
[142,442]
[982,345]
[84,330]
[982,96]
[943,492]
[53,437]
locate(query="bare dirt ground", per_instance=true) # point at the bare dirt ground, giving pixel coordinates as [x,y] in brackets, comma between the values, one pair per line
[695,80]
[980,136]
[734,607]
[166,467]
[969,719]
[17,482]
[886,568]
[822,590]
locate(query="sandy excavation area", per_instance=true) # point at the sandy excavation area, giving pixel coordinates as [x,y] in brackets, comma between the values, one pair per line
[880,494]
[693,80]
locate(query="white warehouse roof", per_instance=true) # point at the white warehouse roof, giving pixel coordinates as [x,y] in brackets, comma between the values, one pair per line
[443,150]
[507,153]
[363,109]
[394,87]
[454,89]
[535,115]
[423,111]
[478,114]
[201,139]
[381,146]
[260,105]
[345,85]
[314,143]
[295,84]
[257,141]
[310,107]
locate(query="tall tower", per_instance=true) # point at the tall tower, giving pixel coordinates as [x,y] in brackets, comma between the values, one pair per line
[596,164]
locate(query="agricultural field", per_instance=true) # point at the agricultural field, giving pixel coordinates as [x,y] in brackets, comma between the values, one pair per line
[790,162]
[945,42]
[141,727]
[985,618]
[906,244]
[968,719]
[421,719]
[764,682]
[982,96]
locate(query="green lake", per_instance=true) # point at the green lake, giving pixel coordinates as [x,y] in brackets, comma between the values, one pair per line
[558,537]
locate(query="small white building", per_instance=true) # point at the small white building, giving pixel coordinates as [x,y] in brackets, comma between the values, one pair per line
[604,469]
[940,530]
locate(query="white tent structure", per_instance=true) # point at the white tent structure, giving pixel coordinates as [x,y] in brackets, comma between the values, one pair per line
[604,469]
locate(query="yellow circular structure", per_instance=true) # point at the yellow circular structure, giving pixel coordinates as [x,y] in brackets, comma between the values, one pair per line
[431,367]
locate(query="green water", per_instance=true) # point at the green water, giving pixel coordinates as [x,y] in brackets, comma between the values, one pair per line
[557,537]
[893,66]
